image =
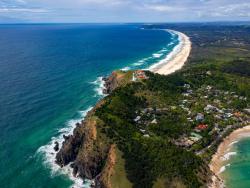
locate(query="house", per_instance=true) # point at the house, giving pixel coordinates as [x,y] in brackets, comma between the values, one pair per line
[199,117]
[209,73]
[142,130]
[210,108]
[187,86]
[184,101]
[195,137]
[241,98]
[137,118]
[139,75]
[218,116]
[173,107]
[184,142]
[201,127]
[185,94]
[227,115]
[154,121]
[209,88]
[247,110]
[237,114]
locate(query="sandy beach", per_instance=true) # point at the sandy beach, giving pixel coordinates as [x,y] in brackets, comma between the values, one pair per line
[223,153]
[176,59]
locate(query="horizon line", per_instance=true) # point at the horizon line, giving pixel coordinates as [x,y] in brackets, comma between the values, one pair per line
[176,22]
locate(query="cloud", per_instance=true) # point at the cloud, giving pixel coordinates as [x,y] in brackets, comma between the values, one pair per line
[226,11]
[21,1]
[163,8]
[31,10]
[126,10]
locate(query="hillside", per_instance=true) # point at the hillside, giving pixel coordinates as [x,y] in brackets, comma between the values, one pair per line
[162,131]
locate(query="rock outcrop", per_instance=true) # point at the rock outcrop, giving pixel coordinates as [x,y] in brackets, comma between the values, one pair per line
[56,147]
[111,82]
[86,151]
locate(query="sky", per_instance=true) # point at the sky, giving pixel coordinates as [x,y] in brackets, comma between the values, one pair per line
[120,11]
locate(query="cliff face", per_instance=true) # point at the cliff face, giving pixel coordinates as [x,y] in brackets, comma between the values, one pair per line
[111,83]
[116,79]
[112,149]
[84,150]
[88,151]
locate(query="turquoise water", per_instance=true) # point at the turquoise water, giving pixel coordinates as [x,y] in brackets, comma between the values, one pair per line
[50,76]
[237,173]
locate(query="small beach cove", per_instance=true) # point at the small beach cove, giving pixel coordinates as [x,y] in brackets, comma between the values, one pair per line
[230,163]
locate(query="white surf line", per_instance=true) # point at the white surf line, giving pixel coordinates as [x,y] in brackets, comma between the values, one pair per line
[176,59]
[49,154]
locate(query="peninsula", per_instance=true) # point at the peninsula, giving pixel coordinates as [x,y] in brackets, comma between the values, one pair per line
[159,131]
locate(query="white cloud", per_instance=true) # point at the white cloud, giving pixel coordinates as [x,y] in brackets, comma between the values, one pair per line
[163,8]
[129,10]
[226,11]
[31,10]
[21,1]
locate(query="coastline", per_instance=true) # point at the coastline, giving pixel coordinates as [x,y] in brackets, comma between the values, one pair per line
[176,59]
[217,164]
[173,62]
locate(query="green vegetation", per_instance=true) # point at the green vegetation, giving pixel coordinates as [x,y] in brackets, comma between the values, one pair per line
[150,149]
[166,128]
[153,122]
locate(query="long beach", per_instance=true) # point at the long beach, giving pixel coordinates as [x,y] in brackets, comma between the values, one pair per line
[177,58]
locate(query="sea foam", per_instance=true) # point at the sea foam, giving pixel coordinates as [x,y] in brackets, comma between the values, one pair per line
[234,142]
[228,155]
[175,51]
[49,154]
[99,86]
[126,68]
[157,55]
[223,168]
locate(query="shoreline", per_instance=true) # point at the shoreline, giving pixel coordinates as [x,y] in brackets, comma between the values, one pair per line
[176,59]
[173,62]
[217,164]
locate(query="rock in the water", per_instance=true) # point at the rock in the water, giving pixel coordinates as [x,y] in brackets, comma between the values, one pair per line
[66,137]
[56,148]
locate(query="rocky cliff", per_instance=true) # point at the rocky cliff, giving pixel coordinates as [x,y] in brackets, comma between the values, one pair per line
[88,151]
[116,79]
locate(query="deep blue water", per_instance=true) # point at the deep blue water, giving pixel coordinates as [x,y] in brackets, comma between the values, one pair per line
[49,78]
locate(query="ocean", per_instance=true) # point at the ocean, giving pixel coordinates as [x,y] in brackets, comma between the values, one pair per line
[237,168]
[50,77]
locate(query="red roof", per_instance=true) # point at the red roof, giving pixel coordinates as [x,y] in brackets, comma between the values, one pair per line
[237,114]
[201,127]
[141,76]
[140,71]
